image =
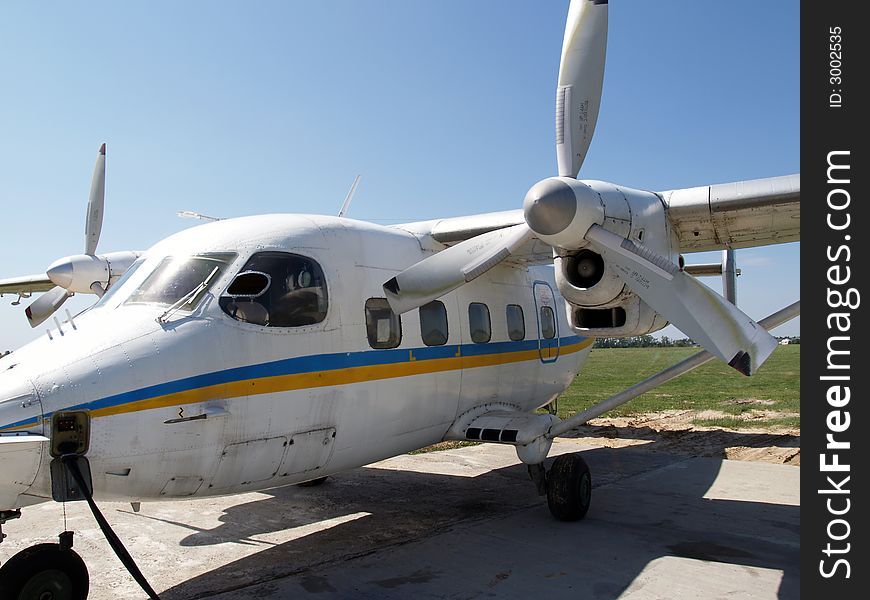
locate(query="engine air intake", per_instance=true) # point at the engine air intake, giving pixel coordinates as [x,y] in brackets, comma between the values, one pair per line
[584,269]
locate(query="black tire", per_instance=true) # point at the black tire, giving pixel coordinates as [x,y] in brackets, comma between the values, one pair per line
[44,572]
[569,487]
[314,482]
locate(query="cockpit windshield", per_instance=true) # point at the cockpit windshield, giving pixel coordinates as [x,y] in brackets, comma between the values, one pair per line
[179,276]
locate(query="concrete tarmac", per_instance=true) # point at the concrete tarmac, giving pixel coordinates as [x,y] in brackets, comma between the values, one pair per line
[459,524]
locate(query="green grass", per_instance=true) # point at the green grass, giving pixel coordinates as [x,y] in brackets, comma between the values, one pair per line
[451,445]
[714,386]
[733,423]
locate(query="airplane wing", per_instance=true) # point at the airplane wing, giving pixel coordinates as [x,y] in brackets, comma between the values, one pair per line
[743,214]
[453,230]
[711,217]
[25,285]
[457,229]
[736,215]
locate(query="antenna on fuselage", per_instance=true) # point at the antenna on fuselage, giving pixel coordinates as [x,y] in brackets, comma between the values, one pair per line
[349,196]
[189,214]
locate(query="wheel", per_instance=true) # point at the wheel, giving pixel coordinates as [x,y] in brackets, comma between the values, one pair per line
[314,482]
[44,572]
[569,487]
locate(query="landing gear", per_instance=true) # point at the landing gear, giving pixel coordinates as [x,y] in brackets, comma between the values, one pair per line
[569,487]
[7,515]
[44,572]
[314,482]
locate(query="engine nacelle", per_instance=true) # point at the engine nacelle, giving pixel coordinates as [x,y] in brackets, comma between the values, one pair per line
[78,273]
[599,304]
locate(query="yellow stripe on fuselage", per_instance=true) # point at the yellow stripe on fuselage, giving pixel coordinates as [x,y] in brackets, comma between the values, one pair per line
[319,379]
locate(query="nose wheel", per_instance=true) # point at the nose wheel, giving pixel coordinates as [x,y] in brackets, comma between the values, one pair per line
[44,572]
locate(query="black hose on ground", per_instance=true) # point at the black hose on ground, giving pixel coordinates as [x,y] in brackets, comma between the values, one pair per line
[111,537]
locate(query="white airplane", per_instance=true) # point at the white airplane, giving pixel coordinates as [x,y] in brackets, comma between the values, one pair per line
[263,351]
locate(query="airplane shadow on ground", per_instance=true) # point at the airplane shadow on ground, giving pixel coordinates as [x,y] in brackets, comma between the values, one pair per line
[655,499]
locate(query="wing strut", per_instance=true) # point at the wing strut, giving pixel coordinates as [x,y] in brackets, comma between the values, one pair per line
[696,360]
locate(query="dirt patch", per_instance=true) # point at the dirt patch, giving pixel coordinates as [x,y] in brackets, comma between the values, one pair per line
[744,401]
[675,431]
[681,420]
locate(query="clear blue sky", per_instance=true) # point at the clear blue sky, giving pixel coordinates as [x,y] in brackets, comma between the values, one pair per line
[445,108]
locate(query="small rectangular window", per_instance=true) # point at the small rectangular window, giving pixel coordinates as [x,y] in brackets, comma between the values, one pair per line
[433,323]
[479,323]
[383,326]
[548,322]
[516,322]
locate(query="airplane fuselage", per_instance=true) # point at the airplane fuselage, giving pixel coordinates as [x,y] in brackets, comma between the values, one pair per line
[214,400]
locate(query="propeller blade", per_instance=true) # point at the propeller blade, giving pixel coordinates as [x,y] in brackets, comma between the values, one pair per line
[441,273]
[699,312]
[94,219]
[44,306]
[581,77]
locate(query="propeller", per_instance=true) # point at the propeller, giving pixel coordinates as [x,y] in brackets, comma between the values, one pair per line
[61,272]
[578,97]
[581,77]
[86,273]
[96,201]
[567,213]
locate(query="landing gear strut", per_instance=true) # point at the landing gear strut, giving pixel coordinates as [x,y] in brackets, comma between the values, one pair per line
[567,485]
[45,572]
[7,515]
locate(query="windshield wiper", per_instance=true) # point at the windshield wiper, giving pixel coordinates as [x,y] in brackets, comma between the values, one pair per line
[189,298]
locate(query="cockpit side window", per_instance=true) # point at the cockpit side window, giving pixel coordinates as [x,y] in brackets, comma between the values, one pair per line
[277,289]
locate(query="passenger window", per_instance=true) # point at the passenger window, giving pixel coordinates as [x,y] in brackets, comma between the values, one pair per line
[383,326]
[548,322]
[479,323]
[277,289]
[516,323]
[433,323]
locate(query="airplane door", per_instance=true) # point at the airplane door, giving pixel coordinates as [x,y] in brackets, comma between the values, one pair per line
[548,324]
